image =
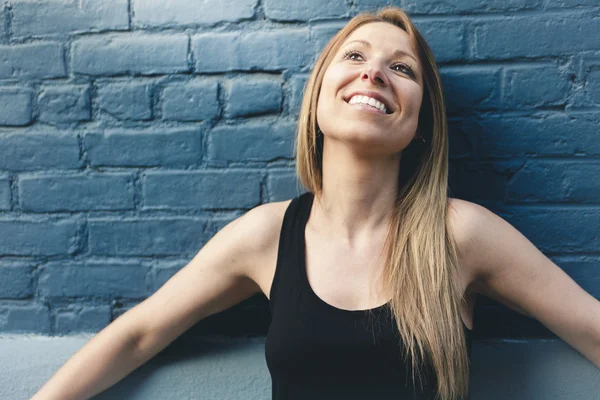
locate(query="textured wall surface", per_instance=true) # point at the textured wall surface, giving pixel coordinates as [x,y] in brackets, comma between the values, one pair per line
[132,130]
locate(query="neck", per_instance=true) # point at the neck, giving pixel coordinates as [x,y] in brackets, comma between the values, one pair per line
[358,192]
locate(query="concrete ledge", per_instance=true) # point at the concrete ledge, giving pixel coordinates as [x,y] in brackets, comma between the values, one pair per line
[231,369]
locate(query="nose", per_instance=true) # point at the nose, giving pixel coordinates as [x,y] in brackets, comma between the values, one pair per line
[374,75]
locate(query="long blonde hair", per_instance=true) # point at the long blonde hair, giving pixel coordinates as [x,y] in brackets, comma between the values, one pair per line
[421,269]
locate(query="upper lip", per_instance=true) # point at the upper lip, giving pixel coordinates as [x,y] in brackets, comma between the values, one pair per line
[374,95]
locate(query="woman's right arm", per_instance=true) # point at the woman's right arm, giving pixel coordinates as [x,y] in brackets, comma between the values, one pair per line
[218,277]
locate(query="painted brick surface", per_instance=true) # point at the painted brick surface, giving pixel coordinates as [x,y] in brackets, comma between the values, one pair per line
[34,18]
[462,6]
[252,141]
[16,106]
[150,237]
[102,281]
[547,35]
[179,12]
[112,191]
[296,91]
[243,94]
[191,101]
[16,280]
[31,150]
[77,319]
[156,147]
[202,189]
[34,237]
[302,11]
[69,103]
[19,318]
[127,53]
[266,50]
[39,60]
[283,185]
[125,101]
[132,131]
[4,192]
[2,31]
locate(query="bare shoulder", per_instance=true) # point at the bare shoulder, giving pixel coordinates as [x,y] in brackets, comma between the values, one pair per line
[256,236]
[260,226]
[465,220]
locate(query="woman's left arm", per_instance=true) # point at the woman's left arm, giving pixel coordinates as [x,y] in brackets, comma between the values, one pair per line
[508,268]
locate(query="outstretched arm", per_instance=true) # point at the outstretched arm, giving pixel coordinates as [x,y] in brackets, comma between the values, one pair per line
[508,268]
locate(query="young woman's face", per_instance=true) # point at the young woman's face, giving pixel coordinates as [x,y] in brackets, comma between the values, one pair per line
[376,59]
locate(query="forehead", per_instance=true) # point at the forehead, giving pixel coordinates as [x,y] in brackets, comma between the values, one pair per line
[382,35]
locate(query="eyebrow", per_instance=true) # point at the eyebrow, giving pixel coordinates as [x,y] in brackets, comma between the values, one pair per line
[396,53]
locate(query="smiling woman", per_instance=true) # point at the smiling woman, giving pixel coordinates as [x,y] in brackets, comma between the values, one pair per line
[383,176]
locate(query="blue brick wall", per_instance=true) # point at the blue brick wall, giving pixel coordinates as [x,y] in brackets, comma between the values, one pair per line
[132,130]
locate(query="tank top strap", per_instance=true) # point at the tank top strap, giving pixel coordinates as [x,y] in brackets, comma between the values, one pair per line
[287,277]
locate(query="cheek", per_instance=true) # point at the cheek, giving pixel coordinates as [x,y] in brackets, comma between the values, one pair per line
[413,97]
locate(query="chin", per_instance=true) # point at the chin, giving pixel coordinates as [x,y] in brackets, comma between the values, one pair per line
[367,141]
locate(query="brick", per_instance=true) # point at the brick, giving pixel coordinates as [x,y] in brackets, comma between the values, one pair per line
[16,106]
[462,6]
[16,318]
[283,185]
[252,142]
[585,270]
[202,189]
[22,237]
[265,50]
[191,101]
[462,140]
[296,86]
[106,191]
[321,34]
[15,281]
[535,86]
[166,147]
[471,87]
[547,35]
[556,134]
[303,11]
[556,181]
[481,181]
[179,12]
[253,97]
[4,192]
[68,103]
[162,273]
[370,5]
[29,150]
[125,101]
[557,228]
[569,3]
[32,61]
[165,236]
[593,87]
[445,37]
[31,18]
[130,53]
[82,319]
[105,280]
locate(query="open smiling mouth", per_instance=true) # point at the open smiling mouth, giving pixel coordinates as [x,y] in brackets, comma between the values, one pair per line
[368,104]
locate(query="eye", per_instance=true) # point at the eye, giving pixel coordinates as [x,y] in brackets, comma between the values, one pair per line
[406,68]
[350,53]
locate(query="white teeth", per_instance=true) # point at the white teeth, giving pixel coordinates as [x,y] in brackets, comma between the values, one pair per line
[368,100]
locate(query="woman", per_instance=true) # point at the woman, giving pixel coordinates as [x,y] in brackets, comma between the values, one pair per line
[375,236]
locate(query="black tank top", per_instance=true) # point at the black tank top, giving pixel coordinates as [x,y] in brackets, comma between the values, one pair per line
[317,351]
